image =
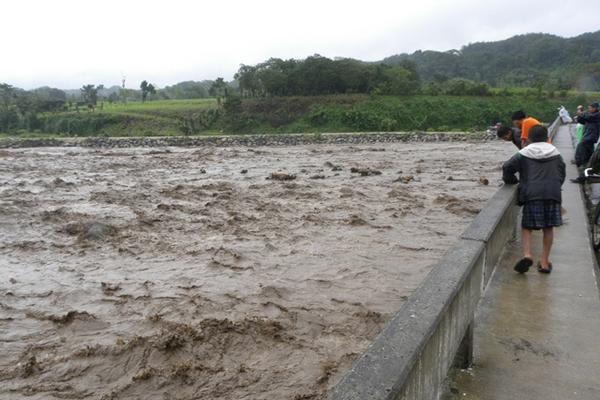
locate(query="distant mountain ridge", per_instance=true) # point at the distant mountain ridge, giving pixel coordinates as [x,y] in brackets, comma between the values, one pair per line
[522,60]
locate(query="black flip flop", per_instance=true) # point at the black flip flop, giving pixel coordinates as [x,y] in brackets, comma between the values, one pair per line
[523,265]
[544,270]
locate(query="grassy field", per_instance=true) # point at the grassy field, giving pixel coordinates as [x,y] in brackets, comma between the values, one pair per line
[166,107]
[156,118]
[316,114]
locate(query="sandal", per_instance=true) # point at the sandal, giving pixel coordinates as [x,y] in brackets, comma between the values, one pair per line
[544,270]
[523,265]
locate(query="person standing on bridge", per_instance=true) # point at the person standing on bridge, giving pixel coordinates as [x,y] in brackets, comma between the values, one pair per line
[591,134]
[580,126]
[541,172]
[524,123]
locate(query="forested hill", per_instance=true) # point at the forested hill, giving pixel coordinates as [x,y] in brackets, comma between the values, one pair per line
[523,60]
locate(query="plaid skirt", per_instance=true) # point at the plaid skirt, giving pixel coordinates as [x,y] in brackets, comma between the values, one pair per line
[540,214]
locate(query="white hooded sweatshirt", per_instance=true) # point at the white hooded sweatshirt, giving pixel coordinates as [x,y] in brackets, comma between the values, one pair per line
[539,151]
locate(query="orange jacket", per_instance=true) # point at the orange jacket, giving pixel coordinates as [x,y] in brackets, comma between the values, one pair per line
[527,124]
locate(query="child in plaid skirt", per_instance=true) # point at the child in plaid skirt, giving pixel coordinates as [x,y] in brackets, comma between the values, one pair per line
[541,172]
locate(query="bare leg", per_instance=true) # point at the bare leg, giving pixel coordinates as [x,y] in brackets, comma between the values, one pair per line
[526,242]
[548,239]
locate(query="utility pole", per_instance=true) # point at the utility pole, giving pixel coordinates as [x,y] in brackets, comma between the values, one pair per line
[123,90]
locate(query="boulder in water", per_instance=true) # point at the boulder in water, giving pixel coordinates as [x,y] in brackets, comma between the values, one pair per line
[92,230]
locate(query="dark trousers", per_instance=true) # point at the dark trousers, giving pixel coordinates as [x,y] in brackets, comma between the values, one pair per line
[583,153]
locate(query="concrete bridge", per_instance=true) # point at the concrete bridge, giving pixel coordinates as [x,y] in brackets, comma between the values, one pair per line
[477,330]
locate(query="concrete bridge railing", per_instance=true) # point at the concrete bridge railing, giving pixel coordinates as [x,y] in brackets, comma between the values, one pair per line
[433,330]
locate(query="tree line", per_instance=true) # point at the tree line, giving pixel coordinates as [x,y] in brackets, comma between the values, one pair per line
[317,75]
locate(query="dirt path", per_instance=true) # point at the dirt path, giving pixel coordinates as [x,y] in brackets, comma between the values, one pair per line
[185,273]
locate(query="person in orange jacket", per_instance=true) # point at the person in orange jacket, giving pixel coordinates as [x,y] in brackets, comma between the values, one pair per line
[524,123]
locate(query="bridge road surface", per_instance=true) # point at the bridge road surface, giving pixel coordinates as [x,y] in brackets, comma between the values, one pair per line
[537,336]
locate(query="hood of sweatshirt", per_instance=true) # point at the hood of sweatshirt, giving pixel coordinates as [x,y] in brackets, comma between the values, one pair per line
[539,151]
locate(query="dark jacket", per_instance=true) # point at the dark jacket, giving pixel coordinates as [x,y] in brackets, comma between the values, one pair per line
[591,131]
[541,172]
[516,137]
[594,163]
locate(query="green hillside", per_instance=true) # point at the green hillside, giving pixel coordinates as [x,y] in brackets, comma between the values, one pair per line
[523,60]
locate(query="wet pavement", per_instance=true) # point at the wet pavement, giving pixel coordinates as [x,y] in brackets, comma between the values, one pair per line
[538,336]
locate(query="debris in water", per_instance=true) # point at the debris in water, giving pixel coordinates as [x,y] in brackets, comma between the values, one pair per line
[109,288]
[482,179]
[281,176]
[405,179]
[61,319]
[355,220]
[29,367]
[144,374]
[365,171]
[333,167]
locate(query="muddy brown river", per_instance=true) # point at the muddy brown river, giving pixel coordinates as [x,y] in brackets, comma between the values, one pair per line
[171,273]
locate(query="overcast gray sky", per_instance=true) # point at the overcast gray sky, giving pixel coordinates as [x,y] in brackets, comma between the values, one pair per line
[67,43]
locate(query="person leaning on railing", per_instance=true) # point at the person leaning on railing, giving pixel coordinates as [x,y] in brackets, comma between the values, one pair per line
[510,134]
